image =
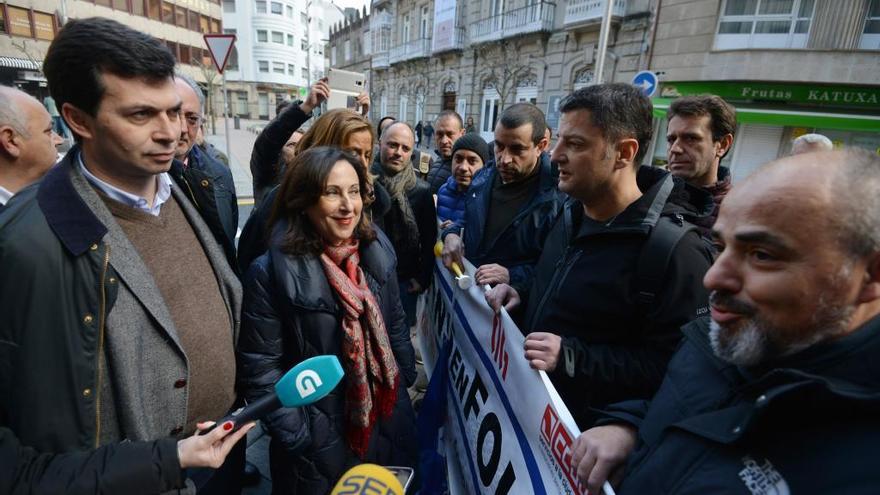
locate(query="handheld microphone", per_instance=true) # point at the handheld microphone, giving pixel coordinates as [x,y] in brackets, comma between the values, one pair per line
[368,479]
[463,281]
[305,383]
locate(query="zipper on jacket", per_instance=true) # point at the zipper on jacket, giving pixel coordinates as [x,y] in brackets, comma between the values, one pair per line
[101,324]
[192,195]
[559,271]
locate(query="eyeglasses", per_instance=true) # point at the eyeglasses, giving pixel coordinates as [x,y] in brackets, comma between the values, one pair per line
[193,118]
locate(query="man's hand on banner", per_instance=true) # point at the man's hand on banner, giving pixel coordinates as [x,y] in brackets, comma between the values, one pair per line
[492,274]
[453,251]
[463,280]
[503,295]
[599,455]
[542,350]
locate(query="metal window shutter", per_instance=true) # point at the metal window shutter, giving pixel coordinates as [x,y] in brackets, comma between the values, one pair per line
[756,145]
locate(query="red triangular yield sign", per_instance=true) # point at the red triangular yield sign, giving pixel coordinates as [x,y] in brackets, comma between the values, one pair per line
[220,46]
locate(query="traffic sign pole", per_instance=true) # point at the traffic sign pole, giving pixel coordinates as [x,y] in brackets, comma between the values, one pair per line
[226,117]
[220,47]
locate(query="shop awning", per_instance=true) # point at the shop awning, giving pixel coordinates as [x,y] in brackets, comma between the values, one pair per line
[791,118]
[18,63]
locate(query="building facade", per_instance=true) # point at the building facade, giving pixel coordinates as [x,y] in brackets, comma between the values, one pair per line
[27,27]
[470,56]
[279,50]
[351,46]
[789,66]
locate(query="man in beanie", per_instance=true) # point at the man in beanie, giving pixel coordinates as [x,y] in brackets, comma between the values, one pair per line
[469,153]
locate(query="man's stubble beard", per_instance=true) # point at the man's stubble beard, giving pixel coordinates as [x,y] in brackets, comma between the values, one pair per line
[754,344]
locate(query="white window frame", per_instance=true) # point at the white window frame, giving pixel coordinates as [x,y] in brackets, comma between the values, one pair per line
[752,39]
[280,8]
[423,25]
[489,104]
[262,36]
[262,6]
[291,70]
[278,67]
[263,66]
[527,94]
[229,4]
[420,108]
[278,37]
[288,10]
[871,41]
[402,108]
[406,28]
[263,104]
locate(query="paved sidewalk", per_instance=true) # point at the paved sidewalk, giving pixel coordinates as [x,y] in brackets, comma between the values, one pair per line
[240,146]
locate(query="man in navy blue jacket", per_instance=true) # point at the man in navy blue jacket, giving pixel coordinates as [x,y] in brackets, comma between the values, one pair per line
[779,391]
[215,193]
[511,203]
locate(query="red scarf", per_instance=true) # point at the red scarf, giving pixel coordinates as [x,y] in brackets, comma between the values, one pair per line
[371,372]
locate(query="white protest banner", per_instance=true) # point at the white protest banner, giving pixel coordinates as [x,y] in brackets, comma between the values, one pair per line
[506,427]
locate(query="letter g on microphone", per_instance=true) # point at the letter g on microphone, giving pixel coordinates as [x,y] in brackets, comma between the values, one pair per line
[307,382]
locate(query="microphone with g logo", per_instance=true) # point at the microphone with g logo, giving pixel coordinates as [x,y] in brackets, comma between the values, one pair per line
[305,383]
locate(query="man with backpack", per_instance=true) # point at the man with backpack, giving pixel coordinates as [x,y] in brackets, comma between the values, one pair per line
[621,269]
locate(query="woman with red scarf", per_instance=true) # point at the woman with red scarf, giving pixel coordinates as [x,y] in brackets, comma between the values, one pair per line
[328,285]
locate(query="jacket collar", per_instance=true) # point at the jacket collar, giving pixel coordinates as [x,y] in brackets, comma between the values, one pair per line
[548,176]
[844,368]
[849,363]
[452,187]
[310,289]
[67,214]
[640,216]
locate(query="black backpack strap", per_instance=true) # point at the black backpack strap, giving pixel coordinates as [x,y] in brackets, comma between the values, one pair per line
[655,256]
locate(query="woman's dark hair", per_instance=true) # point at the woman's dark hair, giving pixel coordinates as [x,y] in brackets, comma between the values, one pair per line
[301,187]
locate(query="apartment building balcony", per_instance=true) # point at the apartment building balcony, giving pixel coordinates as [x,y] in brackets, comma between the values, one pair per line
[529,19]
[588,11]
[448,41]
[418,48]
[381,60]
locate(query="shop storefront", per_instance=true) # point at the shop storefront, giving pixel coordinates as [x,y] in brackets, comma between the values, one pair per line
[23,74]
[771,115]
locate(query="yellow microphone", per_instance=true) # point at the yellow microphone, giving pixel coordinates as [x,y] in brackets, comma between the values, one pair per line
[368,479]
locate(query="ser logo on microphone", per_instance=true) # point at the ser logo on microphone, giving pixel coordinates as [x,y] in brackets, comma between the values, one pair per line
[364,485]
[307,383]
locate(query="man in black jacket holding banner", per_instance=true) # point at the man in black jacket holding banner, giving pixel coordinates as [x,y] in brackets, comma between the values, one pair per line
[602,315]
[779,392]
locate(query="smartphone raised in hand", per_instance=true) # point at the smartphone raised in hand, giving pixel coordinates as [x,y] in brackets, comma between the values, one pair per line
[345,86]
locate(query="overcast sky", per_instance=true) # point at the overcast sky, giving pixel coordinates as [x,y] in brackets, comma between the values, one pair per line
[352,3]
